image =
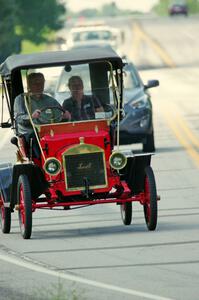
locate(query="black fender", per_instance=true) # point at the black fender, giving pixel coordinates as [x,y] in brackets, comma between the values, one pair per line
[134,171]
[6,181]
[38,183]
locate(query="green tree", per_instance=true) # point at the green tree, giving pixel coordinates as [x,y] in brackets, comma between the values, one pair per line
[162,7]
[32,21]
[37,19]
[193,6]
[9,41]
[88,13]
[110,9]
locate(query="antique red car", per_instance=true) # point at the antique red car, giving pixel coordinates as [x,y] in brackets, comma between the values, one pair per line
[80,161]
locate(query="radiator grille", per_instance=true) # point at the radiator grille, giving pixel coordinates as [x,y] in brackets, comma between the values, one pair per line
[86,166]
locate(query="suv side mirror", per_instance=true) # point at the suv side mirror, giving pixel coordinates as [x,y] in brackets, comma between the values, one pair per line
[152,83]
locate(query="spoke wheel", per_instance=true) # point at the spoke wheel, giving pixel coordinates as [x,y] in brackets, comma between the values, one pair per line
[150,205]
[25,206]
[5,217]
[126,212]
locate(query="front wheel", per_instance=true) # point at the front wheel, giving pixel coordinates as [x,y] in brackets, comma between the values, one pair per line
[25,206]
[5,217]
[150,204]
[126,212]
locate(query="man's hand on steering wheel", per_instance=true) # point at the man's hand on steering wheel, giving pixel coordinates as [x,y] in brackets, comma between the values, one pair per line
[36,114]
[51,114]
[66,115]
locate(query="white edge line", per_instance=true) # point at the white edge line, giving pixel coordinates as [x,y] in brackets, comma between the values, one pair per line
[36,268]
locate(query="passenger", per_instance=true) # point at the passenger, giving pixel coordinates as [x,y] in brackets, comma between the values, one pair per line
[80,106]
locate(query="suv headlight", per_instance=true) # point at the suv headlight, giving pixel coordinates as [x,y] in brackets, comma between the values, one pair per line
[140,103]
[117,160]
[52,166]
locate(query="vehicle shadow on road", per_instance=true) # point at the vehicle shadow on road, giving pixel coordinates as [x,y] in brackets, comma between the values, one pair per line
[84,232]
[88,232]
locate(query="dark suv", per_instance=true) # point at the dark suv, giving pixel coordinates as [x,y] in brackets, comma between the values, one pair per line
[178,7]
[137,124]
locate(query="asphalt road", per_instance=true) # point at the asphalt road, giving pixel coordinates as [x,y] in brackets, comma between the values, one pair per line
[89,251]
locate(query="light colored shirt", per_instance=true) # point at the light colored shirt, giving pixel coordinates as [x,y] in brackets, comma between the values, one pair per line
[23,125]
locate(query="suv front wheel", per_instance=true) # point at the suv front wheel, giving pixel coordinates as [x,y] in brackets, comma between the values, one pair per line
[149,145]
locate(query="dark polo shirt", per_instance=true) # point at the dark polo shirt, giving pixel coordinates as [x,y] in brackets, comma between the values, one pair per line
[87,111]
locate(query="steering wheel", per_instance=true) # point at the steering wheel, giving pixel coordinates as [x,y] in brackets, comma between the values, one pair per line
[111,110]
[51,114]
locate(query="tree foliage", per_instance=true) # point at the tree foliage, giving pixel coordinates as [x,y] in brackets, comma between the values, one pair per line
[107,10]
[8,40]
[35,20]
[22,19]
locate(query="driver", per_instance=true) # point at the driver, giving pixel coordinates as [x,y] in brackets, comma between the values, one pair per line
[38,102]
[37,105]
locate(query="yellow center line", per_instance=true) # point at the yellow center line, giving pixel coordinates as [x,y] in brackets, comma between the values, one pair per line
[184,135]
[194,139]
[166,58]
[137,39]
[179,127]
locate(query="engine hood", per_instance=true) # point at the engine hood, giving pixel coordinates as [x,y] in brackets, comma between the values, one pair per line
[58,144]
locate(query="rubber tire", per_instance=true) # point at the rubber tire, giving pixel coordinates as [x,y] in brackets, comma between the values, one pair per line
[149,146]
[24,200]
[126,213]
[150,206]
[5,216]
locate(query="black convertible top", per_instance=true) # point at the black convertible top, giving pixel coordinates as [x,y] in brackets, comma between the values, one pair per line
[11,68]
[54,58]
